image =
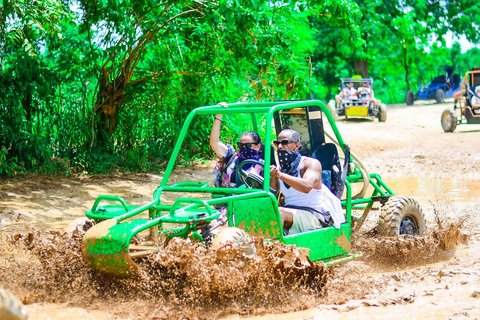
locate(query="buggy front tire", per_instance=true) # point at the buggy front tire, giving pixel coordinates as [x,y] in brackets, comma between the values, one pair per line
[382,113]
[11,307]
[233,238]
[449,120]
[410,98]
[439,96]
[401,215]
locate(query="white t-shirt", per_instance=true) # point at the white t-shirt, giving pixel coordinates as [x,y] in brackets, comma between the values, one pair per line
[349,92]
[365,90]
[322,200]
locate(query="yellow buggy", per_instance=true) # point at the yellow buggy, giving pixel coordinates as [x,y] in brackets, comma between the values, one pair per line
[361,105]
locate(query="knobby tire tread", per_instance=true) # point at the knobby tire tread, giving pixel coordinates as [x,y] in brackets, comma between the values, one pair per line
[394,211]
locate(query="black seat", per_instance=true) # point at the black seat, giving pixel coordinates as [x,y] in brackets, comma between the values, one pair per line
[333,175]
[456,81]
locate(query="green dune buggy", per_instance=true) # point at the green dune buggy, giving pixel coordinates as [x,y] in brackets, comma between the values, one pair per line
[253,207]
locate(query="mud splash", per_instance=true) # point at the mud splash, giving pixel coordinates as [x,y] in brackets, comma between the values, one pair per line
[187,281]
[184,280]
[438,244]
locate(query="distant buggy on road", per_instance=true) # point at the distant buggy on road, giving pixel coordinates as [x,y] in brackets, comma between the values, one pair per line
[443,86]
[363,104]
[464,111]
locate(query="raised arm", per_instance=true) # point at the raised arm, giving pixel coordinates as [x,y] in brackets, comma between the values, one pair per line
[219,147]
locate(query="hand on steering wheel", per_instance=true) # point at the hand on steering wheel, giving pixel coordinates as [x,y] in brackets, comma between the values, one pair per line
[252,179]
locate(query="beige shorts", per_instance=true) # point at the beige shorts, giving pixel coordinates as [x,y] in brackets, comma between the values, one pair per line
[302,221]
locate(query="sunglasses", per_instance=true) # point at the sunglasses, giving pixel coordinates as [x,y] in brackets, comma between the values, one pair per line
[283,142]
[241,145]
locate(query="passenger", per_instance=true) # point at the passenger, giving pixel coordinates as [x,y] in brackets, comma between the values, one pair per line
[349,92]
[309,204]
[476,99]
[365,91]
[249,147]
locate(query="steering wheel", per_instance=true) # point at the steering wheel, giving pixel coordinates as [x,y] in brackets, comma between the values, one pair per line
[251,179]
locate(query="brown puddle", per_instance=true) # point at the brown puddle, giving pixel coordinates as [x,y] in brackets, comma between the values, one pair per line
[427,188]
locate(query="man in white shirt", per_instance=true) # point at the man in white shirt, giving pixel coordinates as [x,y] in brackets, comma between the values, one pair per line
[309,204]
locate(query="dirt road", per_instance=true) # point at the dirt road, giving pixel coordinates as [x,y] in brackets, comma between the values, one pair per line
[410,151]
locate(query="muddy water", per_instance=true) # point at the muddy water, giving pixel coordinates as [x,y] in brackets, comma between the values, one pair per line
[55,207]
[49,275]
[47,311]
[427,188]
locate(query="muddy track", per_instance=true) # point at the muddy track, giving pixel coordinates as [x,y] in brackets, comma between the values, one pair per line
[434,277]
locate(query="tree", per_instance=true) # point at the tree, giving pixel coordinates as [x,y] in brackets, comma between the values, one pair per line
[197,43]
[25,81]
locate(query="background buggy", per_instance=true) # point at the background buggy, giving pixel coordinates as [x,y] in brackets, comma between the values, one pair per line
[443,86]
[360,106]
[462,111]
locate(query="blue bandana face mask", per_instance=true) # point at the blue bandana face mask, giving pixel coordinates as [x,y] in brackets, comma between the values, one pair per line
[247,154]
[289,161]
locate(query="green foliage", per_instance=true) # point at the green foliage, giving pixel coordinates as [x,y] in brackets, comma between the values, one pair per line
[8,165]
[61,69]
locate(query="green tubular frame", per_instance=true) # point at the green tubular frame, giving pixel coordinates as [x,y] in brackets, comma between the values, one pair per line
[328,244]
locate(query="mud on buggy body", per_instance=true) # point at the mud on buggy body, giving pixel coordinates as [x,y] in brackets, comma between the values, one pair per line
[107,245]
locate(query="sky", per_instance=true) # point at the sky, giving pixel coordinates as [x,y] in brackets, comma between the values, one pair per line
[466,45]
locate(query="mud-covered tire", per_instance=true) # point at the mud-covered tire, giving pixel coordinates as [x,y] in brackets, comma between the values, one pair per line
[401,215]
[234,238]
[410,98]
[79,225]
[331,107]
[11,308]
[449,120]
[382,113]
[439,96]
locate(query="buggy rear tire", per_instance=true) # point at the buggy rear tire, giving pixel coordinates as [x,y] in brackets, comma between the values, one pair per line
[449,120]
[11,308]
[439,96]
[382,113]
[410,98]
[401,215]
[331,107]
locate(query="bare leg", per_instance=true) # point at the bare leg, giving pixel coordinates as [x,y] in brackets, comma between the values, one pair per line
[287,217]
[338,100]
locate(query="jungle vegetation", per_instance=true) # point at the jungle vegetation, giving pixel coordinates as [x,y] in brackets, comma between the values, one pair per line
[102,85]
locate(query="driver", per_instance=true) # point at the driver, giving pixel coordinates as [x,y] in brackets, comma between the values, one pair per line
[349,92]
[476,100]
[249,147]
[309,204]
